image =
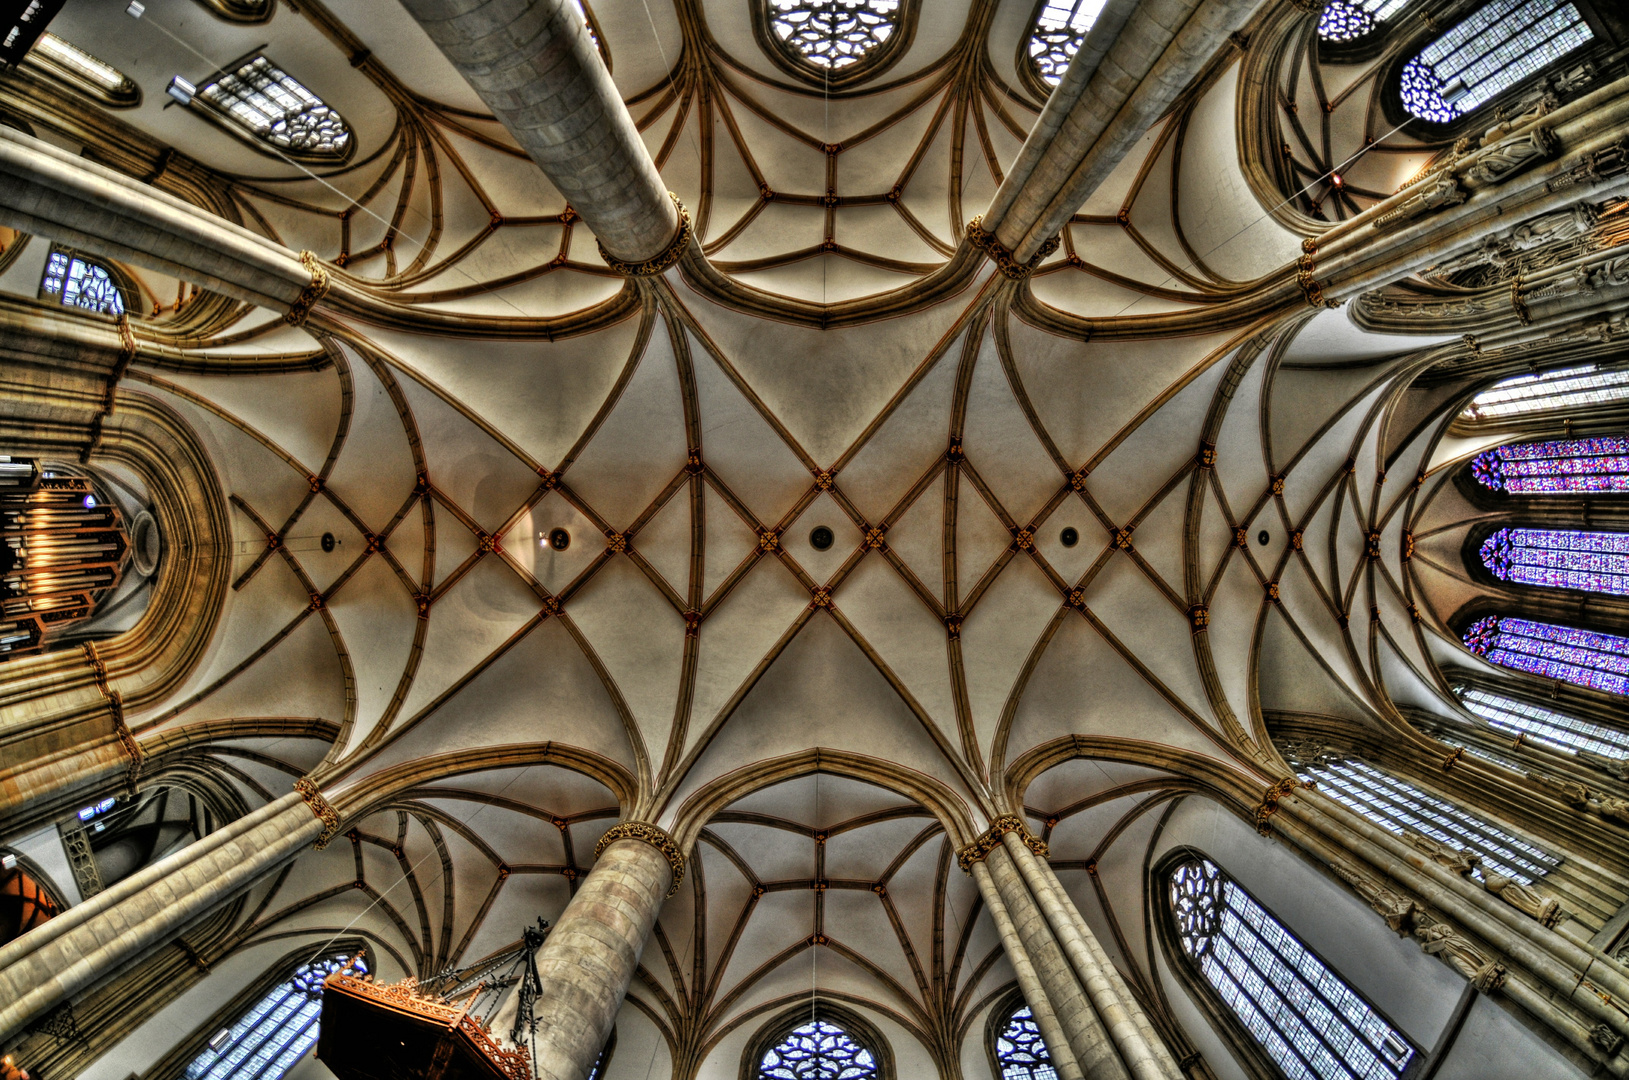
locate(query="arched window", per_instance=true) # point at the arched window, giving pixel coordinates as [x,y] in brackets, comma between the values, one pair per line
[817,1050]
[1553,468]
[1583,657]
[1017,1046]
[81,282]
[1559,558]
[833,34]
[1299,1011]
[1399,807]
[1541,725]
[1348,20]
[24,902]
[1498,46]
[270,104]
[84,72]
[1571,388]
[275,1033]
[1060,27]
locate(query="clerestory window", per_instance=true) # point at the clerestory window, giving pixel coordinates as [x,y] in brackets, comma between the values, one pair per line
[276,1032]
[1569,388]
[833,34]
[818,1050]
[1559,558]
[1501,44]
[1348,20]
[80,281]
[271,105]
[1060,28]
[1563,732]
[1582,657]
[1555,468]
[1300,1012]
[84,72]
[1020,1053]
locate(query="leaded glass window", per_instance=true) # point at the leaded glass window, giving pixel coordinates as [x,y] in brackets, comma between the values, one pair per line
[1059,30]
[276,1032]
[1348,20]
[1565,465]
[98,77]
[79,282]
[1561,558]
[272,105]
[833,34]
[1542,725]
[1571,388]
[1307,1018]
[818,1050]
[1399,807]
[1584,657]
[1498,46]
[1020,1051]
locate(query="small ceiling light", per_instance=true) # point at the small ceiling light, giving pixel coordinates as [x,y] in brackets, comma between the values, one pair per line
[821,538]
[1336,181]
[136,9]
[1069,537]
[181,90]
[559,539]
[1263,536]
[328,542]
[90,502]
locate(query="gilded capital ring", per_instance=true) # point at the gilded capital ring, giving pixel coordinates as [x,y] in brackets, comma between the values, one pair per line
[664,259]
[650,834]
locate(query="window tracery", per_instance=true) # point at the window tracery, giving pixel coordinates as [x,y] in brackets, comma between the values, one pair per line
[1574,387]
[277,1030]
[1400,807]
[81,282]
[818,1050]
[272,105]
[1501,44]
[1020,1052]
[1542,725]
[1559,558]
[833,34]
[1348,20]
[1557,467]
[1060,28]
[1307,1019]
[1582,657]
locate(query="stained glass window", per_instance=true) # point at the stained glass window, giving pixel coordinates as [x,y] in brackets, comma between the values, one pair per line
[79,282]
[1305,1016]
[1562,558]
[273,105]
[1398,806]
[1584,657]
[1555,467]
[1059,29]
[81,68]
[1348,20]
[1021,1052]
[833,33]
[1498,46]
[1570,388]
[817,1051]
[1542,725]
[275,1033]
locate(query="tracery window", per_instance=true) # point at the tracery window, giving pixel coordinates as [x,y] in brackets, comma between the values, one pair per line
[818,1050]
[1498,46]
[1560,558]
[1060,27]
[1308,1020]
[1564,465]
[1573,388]
[1348,20]
[272,105]
[275,1033]
[1399,806]
[80,282]
[833,34]
[1020,1052]
[1542,725]
[1584,657]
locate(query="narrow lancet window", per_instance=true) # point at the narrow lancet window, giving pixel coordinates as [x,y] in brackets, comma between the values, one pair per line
[1572,388]
[1498,46]
[815,1051]
[1020,1052]
[80,282]
[1520,719]
[1555,468]
[1400,807]
[1560,558]
[833,34]
[85,72]
[1059,30]
[1308,1020]
[1583,657]
[272,105]
[1348,20]
[275,1033]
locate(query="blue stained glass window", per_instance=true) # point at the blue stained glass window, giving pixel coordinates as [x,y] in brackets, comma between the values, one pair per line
[1584,657]
[1565,465]
[1562,558]
[1399,806]
[1021,1052]
[1309,1021]
[1498,46]
[276,1032]
[1348,20]
[1542,725]
[818,1051]
[1059,30]
[78,282]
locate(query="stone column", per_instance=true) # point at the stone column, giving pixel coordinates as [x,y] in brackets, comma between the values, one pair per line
[1057,1044]
[94,940]
[538,70]
[591,953]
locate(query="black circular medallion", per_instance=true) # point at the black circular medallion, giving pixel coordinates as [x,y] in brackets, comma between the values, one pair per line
[821,538]
[328,541]
[1263,536]
[1069,537]
[559,539]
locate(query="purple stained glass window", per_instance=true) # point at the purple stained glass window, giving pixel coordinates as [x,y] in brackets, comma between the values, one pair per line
[1565,465]
[1564,559]
[1584,657]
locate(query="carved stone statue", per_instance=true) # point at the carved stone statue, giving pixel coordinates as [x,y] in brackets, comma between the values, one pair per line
[1573,794]
[1546,909]
[1532,106]
[1444,942]
[1618,767]
[1444,192]
[1458,860]
[1609,1041]
[1398,910]
[1612,809]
